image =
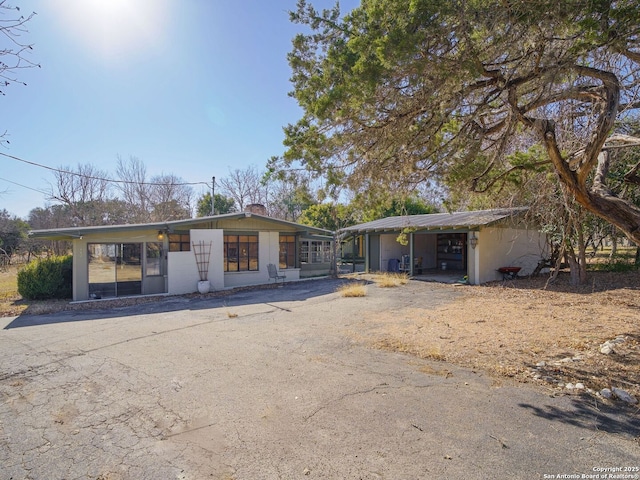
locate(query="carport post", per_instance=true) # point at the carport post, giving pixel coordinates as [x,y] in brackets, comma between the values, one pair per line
[411,262]
[367,260]
[473,258]
[353,254]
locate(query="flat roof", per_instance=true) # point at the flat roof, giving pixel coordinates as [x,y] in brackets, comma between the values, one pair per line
[69,233]
[436,221]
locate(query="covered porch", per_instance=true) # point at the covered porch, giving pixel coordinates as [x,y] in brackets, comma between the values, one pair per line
[467,247]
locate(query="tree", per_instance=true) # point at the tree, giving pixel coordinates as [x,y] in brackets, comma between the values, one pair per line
[245,187]
[163,197]
[82,190]
[133,185]
[13,56]
[13,232]
[53,216]
[330,216]
[289,196]
[396,207]
[222,205]
[412,91]
[170,198]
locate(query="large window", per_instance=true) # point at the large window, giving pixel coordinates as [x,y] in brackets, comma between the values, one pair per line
[287,251]
[315,251]
[115,269]
[241,253]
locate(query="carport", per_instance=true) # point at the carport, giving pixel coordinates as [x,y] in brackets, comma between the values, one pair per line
[450,245]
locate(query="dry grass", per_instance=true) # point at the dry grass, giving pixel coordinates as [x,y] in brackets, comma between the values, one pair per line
[353,290]
[390,280]
[11,303]
[432,351]
[523,331]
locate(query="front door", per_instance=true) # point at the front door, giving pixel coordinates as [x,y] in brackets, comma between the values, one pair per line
[155,269]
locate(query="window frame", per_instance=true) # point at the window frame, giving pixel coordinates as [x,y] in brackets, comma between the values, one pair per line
[180,240]
[241,250]
[154,261]
[287,251]
[313,252]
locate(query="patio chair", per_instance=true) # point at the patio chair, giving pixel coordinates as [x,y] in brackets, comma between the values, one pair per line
[273,273]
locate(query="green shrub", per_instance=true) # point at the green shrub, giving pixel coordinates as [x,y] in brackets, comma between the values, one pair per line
[46,279]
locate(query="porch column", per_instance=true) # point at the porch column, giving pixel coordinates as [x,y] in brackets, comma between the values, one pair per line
[367,260]
[473,261]
[411,261]
[353,254]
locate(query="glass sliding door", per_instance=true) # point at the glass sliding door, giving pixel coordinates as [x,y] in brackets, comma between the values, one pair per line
[115,269]
[129,270]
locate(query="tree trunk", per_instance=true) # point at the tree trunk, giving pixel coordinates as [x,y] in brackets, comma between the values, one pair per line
[582,257]
[574,172]
[614,247]
[570,258]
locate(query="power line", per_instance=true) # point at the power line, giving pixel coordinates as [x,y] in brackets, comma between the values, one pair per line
[24,186]
[127,182]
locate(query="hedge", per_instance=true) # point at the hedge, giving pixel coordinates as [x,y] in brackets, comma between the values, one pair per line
[47,278]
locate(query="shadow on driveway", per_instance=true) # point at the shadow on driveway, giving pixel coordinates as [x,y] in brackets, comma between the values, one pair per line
[95,310]
[584,412]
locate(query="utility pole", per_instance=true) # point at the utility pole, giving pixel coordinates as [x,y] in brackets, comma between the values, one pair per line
[213,195]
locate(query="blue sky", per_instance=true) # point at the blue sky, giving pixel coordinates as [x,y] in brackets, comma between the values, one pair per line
[191,87]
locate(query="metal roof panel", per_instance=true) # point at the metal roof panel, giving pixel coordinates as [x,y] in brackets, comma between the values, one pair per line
[429,221]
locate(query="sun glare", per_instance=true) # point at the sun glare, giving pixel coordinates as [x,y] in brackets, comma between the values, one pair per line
[114,30]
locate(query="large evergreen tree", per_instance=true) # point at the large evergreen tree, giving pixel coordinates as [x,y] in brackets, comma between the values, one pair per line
[401,91]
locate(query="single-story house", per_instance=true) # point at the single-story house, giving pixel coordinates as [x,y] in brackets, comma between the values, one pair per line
[474,244]
[229,250]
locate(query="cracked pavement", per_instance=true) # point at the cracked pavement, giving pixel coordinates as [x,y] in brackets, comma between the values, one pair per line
[271,384]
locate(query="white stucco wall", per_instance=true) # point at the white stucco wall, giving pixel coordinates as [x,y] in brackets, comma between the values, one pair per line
[216,264]
[506,247]
[183,272]
[182,269]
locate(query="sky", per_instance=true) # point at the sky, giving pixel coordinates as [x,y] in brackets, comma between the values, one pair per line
[195,88]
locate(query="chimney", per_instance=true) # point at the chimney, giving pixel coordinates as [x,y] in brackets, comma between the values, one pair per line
[256,208]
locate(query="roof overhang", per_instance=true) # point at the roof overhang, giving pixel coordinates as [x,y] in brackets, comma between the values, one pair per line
[435,222]
[73,233]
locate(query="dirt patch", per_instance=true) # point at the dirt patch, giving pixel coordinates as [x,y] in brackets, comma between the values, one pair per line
[522,329]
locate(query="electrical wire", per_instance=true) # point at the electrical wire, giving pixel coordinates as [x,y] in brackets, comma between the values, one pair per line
[24,186]
[128,182]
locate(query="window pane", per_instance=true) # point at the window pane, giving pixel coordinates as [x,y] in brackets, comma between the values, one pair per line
[253,257]
[287,251]
[179,242]
[129,263]
[154,259]
[102,270]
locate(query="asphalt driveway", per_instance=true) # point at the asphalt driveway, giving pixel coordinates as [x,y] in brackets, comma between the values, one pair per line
[273,384]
